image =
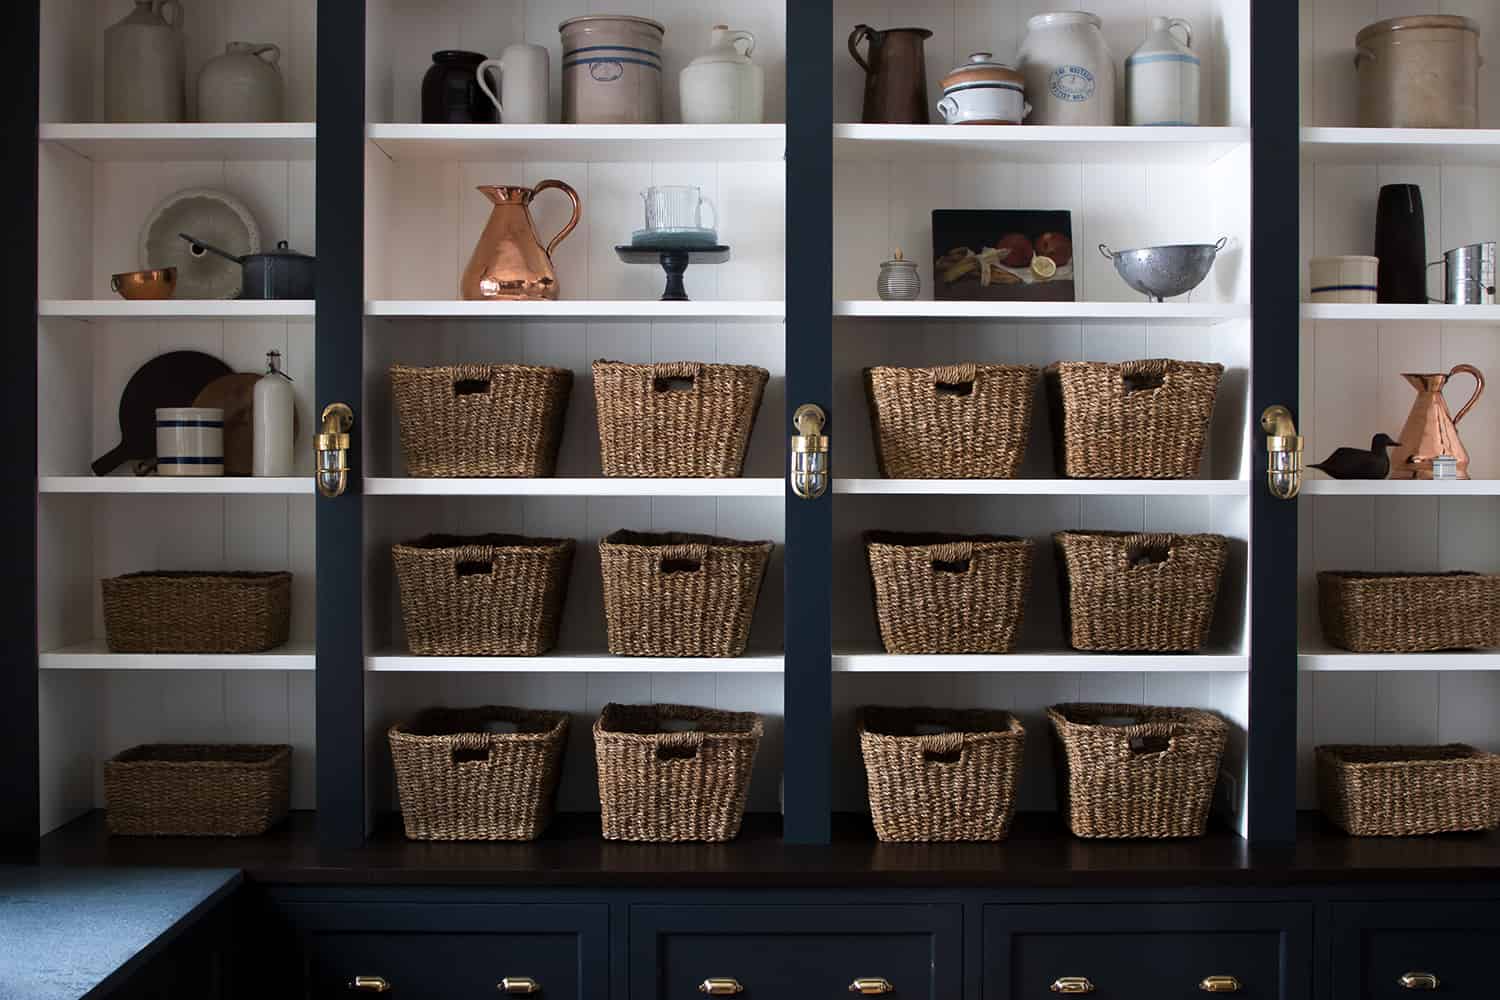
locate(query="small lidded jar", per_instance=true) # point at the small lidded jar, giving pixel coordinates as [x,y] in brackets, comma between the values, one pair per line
[898,280]
[984,92]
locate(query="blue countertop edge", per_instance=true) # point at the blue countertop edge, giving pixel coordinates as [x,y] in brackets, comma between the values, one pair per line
[72,933]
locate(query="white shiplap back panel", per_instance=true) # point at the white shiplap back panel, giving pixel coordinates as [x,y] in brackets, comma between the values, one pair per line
[403,34]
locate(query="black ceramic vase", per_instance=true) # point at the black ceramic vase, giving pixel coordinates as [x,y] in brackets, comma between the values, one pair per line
[451,94]
[1401,245]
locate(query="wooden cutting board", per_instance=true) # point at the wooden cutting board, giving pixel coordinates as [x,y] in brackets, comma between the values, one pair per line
[235,395]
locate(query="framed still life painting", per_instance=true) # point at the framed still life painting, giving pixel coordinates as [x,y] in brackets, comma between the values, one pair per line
[1003,255]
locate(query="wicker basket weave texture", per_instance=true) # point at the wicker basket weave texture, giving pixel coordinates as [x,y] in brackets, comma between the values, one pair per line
[954,785]
[1140,591]
[481,420]
[1409,612]
[1131,420]
[965,421]
[1406,791]
[1153,778]
[678,419]
[937,593]
[197,612]
[666,786]
[197,790]
[456,781]
[483,595]
[680,594]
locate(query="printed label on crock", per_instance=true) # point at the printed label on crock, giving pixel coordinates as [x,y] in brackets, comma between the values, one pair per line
[1071,83]
[606,72]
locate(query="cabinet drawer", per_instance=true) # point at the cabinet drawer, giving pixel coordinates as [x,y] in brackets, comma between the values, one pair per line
[446,951]
[782,952]
[1377,945]
[1160,951]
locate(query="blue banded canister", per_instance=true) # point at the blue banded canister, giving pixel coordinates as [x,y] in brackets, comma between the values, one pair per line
[611,70]
[190,441]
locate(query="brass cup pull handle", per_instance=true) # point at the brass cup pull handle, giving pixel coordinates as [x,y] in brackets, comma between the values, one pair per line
[1220,984]
[1418,981]
[369,984]
[720,986]
[1073,984]
[519,986]
[871,986]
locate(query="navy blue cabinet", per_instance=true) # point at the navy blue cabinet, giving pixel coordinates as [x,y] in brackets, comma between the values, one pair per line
[1391,949]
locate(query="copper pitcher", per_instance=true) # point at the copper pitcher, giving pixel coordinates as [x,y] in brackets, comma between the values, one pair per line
[1429,430]
[510,261]
[895,74]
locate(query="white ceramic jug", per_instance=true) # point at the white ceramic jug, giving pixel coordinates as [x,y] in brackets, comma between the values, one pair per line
[144,65]
[274,413]
[524,71]
[1070,75]
[723,85]
[242,85]
[1161,77]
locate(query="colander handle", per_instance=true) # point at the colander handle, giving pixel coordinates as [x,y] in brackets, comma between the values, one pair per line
[1105,250]
[1221,244]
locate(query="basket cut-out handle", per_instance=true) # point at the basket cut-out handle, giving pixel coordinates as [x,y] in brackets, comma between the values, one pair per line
[676,376]
[954,380]
[951,557]
[942,748]
[468,748]
[474,560]
[472,380]
[682,558]
[1150,738]
[1149,549]
[1145,376]
[682,745]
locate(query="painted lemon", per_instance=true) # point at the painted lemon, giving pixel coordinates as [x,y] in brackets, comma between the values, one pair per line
[1043,267]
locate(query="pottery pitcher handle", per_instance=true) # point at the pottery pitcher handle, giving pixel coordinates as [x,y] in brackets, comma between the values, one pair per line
[1185,25]
[1478,388]
[162,6]
[577,210]
[860,33]
[479,75]
[260,51]
[735,37]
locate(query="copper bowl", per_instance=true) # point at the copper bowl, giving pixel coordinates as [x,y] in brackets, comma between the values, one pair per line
[155,284]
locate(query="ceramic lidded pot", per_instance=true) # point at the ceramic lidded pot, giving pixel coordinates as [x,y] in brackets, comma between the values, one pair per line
[898,281]
[723,85]
[1419,72]
[242,85]
[984,92]
[145,65]
[1070,75]
[450,91]
[611,70]
[1161,76]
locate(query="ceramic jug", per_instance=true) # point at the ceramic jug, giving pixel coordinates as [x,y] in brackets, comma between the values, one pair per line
[144,64]
[1161,76]
[510,261]
[242,85]
[523,70]
[722,86]
[1070,75]
[895,74]
[1429,430]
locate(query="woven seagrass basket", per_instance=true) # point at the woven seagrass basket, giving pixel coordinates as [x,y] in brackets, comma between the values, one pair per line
[948,593]
[674,772]
[190,612]
[1403,791]
[965,421]
[678,420]
[482,595]
[1137,770]
[481,420]
[1409,612]
[459,781]
[1140,591]
[956,784]
[197,790]
[1132,420]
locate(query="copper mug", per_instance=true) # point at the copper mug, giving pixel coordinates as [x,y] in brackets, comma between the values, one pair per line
[1429,430]
[510,262]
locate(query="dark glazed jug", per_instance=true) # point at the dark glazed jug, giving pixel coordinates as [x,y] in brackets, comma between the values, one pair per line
[895,74]
[450,91]
[1401,245]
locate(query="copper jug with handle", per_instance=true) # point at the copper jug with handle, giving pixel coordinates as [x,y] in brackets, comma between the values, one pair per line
[1429,430]
[510,262]
[895,74]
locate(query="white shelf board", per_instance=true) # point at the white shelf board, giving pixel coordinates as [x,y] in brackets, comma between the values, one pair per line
[179,485]
[574,487]
[581,143]
[1323,658]
[86,309]
[1400,488]
[1155,313]
[1036,143]
[1458,147]
[875,660]
[767,310]
[168,142]
[1376,313]
[1045,487]
[95,655]
[591,662]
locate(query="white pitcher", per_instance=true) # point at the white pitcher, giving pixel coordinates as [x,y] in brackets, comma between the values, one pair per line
[723,85]
[242,85]
[1161,77]
[524,71]
[144,65]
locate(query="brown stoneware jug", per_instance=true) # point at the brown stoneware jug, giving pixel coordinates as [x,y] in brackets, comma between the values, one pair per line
[510,261]
[1429,430]
[895,74]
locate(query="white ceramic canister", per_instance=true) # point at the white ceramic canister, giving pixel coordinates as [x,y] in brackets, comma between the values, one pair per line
[1419,72]
[722,86]
[984,92]
[1349,278]
[898,281]
[145,66]
[1070,75]
[189,441]
[242,85]
[524,71]
[611,70]
[1162,76]
[273,415]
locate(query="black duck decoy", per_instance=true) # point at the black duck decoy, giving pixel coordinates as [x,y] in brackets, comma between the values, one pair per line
[1356,463]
